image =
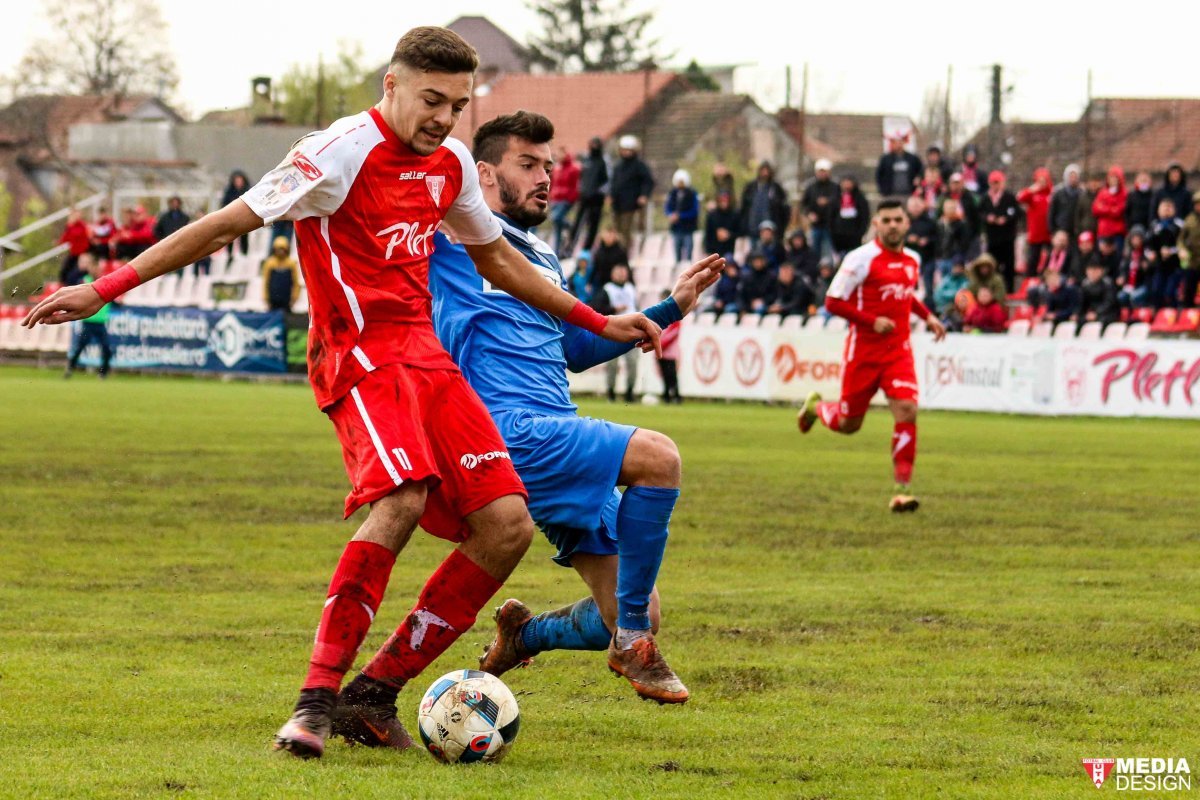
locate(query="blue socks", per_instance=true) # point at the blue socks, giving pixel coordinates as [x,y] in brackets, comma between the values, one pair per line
[642,520]
[641,541]
[574,627]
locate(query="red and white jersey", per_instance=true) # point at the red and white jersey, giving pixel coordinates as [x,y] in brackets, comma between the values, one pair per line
[880,283]
[366,208]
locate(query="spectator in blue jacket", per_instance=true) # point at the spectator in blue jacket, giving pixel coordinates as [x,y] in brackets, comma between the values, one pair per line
[725,293]
[683,213]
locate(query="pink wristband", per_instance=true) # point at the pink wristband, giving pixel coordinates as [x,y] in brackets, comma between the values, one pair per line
[117,283]
[587,318]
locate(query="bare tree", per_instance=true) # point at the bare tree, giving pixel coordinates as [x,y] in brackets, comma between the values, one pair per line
[932,122]
[591,36]
[99,47]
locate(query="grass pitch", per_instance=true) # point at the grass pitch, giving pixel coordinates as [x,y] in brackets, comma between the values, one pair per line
[165,545]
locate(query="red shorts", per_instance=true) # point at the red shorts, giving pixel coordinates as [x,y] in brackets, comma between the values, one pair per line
[403,423]
[865,372]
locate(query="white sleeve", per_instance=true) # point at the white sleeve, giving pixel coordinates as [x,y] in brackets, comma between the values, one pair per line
[314,178]
[469,216]
[850,275]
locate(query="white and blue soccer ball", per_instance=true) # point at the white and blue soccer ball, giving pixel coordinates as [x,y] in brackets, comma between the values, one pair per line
[468,716]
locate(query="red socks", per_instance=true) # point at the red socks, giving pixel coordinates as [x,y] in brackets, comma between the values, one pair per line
[354,596]
[445,609]
[829,415]
[904,450]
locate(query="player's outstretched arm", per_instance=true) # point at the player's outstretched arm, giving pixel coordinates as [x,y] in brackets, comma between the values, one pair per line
[694,280]
[502,266]
[187,245]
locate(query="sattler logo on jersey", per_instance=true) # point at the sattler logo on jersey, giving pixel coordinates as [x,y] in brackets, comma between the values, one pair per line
[411,237]
[306,167]
[411,175]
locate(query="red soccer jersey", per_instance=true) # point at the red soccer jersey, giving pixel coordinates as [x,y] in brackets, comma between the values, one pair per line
[366,208]
[878,283]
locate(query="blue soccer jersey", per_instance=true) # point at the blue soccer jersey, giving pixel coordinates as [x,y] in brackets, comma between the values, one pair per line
[516,358]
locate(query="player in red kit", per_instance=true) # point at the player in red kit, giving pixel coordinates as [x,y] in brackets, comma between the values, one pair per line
[367,195]
[874,291]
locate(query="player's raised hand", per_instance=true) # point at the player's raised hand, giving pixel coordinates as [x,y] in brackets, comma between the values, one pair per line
[936,328]
[694,280]
[634,328]
[66,305]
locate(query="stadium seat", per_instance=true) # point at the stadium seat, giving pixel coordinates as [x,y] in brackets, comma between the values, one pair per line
[1091,331]
[1022,312]
[1137,332]
[771,322]
[1023,291]
[814,323]
[1064,330]
[1019,328]
[706,319]
[1189,321]
[749,321]
[836,324]
[642,275]
[1143,315]
[8,334]
[1115,332]
[60,339]
[1164,321]
[727,321]
[793,323]
[1042,329]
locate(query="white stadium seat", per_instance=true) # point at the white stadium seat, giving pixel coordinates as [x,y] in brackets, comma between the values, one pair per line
[770,322]
[727,321]
[1138,331]
[1042,330]
[793,323]
[749,321]
[1091,331]
[836,324]
[706,319]
[1115,332]
[1064,330]
[814,323]
[1019,328]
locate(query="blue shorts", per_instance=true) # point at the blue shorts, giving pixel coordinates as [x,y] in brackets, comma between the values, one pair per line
[570,467]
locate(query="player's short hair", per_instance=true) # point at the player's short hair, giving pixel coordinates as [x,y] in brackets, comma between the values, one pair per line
[491,140]
[433,49]
[889,202]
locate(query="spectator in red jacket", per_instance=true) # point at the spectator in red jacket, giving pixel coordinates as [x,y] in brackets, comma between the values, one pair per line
[135,235]
[1109,208]
[564,193]
[987,316]
[78,240]
[102,230]
[1035,199]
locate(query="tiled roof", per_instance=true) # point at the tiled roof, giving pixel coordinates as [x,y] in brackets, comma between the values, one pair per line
[580,105]
[497,50]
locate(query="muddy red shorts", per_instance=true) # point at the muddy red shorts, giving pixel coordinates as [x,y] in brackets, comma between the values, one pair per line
[403,424]
[864,373]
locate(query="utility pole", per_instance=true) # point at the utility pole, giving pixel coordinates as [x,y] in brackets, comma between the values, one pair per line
[787,86]
[1087,128]
[320,108]
[995,123]
[947,127]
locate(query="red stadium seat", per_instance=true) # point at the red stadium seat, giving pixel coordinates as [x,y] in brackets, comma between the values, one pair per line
[1022,312]
[1023,291]
[1143,315]
[1164,321]
[1189,321]
[1125,315]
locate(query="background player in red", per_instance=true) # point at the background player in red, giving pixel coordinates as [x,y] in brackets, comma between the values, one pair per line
[367,196]
[874,290]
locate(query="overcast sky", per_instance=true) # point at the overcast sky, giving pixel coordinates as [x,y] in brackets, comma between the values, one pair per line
[863,56]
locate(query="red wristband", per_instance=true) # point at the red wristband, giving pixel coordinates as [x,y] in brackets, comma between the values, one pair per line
[117,283]
[589,319]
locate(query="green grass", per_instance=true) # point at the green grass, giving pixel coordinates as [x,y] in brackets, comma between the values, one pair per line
[165,547]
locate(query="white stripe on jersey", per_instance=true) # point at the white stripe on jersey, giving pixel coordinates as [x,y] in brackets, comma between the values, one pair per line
[379,448]
[336,265]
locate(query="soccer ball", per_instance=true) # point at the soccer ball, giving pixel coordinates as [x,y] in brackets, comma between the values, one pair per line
[468,716]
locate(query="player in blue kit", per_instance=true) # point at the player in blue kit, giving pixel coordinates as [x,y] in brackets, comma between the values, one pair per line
[516,358]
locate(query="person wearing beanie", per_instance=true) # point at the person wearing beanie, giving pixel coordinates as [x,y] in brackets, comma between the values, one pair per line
[683,214]
[593,188]
[1035,199]
[999,210]
[764,199]
[630,189]
[818,204]
[280,276]
[1064,201]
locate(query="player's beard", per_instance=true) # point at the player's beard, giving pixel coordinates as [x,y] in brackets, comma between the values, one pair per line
[514,209]
[893,241]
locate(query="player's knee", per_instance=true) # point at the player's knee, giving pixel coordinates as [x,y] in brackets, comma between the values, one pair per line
[508,528]
[394,516]
[655,461]
[905,412]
